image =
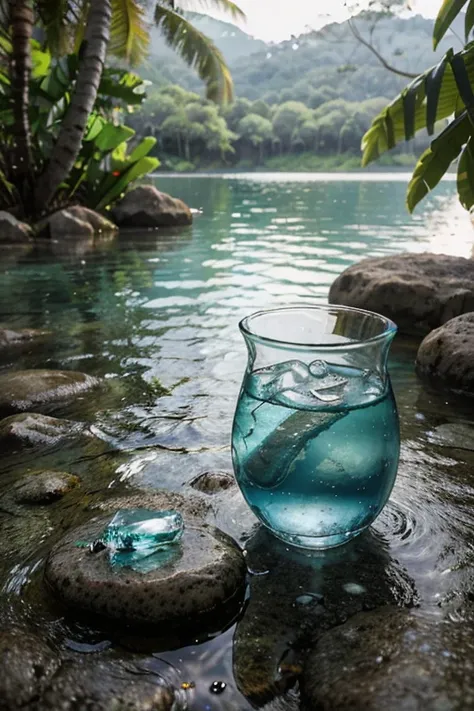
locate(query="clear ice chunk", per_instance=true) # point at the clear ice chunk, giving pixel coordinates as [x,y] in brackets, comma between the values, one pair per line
[134,534]
[267,382]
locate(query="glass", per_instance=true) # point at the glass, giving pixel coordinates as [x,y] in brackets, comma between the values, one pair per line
[315,440]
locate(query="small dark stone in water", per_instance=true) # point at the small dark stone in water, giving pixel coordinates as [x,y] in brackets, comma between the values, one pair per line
[217,687]
[97,546]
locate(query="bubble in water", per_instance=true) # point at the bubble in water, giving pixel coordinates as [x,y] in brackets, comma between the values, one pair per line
[318,368]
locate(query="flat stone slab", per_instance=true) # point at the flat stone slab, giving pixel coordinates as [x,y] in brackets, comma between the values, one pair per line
[31,429]
[417,291]
[23,390]
[394,660]
[206,572]
[446,355]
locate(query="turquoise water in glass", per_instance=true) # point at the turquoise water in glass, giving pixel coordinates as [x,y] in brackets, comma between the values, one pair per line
[316,473]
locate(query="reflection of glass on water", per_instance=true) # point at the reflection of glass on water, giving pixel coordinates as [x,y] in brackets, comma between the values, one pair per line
[315,448]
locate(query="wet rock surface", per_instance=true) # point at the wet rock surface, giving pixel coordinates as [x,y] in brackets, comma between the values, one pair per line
[295,594]
[75,222]
[455,435]
[213,482]
[391,659]
[27,664]
[204,571]
[446,355]
[12,231]
[43,487]
[145,206]
[11,338]
[106,685]
[32,429]
[24,390]
[418,291]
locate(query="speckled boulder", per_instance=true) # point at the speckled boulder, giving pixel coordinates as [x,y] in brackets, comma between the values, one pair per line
[145,206]
[418,291]
[394,660]
[213,482]
[206,572]
[106,685]
[21,337]
[23,390]
[446,355]
[75,222]
[26,665]
[43,487]
[31,429]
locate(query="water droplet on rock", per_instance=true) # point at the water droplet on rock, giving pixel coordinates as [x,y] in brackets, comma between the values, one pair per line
[217,687]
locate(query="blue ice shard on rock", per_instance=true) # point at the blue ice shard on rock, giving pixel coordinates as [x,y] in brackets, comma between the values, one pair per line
[134,534]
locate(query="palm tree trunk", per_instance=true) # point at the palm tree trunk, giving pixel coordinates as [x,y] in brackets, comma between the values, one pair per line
[69,142]
[22,21]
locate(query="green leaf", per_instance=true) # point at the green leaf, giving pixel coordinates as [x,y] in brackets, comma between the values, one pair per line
[143,148]
[465,177]
[129,36]
[123,85]
[41,63]
[198,51]
[433,82]
[400,119]
[136,171]
[469,19]
[112,136]
[436,160]
[449,10]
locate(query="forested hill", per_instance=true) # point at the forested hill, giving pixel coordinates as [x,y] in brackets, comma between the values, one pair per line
[329,57]
[303,104]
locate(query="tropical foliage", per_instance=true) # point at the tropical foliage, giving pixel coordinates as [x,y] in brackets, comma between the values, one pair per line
[60,105]
[192,133]
[445,91]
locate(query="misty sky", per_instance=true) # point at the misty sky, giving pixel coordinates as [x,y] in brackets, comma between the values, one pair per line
[275,20]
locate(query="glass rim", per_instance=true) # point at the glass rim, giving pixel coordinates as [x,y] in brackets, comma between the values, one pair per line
[390,327]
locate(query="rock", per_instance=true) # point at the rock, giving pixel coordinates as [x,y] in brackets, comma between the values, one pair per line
[205,570]
[294,596]
[31,429]
[43,487]
[418,291]
[453,434]
[27,663]
[12,231]
[393,660]
[213,482]
[145,206]
[20,337]
[104,685]
[192,508]
[446,355]
[22,390]
[75,221]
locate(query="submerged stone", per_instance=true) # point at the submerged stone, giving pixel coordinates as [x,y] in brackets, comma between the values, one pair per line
[24,390]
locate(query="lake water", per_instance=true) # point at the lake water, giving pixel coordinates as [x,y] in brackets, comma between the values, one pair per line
[157,316]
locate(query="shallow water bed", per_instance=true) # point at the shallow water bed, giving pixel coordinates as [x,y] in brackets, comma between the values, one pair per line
[155,316]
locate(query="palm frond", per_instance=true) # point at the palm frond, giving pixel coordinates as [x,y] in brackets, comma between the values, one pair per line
[60,19]
[198,51]
[129,36]
[225,6]
[436,94]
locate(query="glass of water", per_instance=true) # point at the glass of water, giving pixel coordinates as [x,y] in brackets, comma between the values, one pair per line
[315,440]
